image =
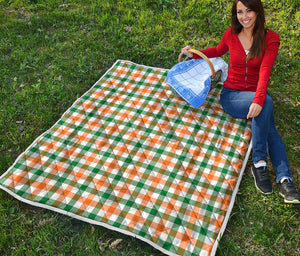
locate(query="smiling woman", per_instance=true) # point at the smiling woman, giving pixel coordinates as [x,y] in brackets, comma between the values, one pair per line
[253,50]
[248,21]
[246,16]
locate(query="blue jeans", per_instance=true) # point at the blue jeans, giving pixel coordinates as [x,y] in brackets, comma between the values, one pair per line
[265,137]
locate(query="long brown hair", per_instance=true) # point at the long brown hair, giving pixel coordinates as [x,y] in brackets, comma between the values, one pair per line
[259,27]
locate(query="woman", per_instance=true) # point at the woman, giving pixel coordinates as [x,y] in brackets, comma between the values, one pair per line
[253,50]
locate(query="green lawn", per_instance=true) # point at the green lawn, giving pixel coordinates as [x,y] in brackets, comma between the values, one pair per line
[53,51]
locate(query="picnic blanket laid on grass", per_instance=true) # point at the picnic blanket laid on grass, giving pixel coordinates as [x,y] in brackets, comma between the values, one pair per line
[130,156]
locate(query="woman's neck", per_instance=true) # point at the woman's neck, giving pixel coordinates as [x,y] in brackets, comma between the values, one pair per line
[246,38]
[247,32]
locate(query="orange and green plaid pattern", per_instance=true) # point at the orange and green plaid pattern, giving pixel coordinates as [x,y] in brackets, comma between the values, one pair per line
[133,157]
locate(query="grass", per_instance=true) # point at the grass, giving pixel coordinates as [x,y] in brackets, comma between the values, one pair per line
[51,52]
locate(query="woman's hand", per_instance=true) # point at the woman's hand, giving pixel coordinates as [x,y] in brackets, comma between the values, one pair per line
[186,52]
[254,110]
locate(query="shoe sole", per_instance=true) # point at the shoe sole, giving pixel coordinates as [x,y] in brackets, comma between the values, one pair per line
[265,193]
[288,201]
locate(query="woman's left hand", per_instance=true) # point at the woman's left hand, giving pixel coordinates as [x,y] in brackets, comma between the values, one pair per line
[185,51]
[254,110]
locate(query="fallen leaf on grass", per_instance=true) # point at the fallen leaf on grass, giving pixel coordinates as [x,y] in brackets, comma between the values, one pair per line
[128,29]
[65,5]
[92,229]
[103,245]
[115,244]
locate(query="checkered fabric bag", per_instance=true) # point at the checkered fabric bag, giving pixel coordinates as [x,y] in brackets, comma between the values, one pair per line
[132,157]
[192,80]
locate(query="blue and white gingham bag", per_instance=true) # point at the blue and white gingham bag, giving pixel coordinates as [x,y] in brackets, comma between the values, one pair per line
[191,80]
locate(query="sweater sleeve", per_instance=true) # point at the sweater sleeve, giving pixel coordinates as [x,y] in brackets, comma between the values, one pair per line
[269,57]
[218,50]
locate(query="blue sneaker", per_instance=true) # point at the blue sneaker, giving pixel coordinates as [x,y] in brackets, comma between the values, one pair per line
[262,180]
[289,192]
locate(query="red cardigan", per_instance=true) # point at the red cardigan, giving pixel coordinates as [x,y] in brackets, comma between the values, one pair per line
[252,75]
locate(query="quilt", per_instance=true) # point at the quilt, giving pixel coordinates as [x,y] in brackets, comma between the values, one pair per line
[131,156]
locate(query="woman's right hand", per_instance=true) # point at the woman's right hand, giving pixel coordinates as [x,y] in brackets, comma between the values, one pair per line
[186,52]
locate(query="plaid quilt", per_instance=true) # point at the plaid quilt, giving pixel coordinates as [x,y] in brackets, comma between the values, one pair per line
[131,156]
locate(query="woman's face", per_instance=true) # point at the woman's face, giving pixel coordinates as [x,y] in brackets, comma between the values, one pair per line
[245,16]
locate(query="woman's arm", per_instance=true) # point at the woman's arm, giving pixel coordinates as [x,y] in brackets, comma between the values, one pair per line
[265,71]
[270,55]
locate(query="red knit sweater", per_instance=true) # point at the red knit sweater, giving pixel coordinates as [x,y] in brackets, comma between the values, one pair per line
[246,75]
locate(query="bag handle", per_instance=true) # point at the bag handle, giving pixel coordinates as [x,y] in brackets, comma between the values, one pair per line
[204,57]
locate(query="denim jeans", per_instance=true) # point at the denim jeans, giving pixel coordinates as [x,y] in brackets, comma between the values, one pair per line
[265,137]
